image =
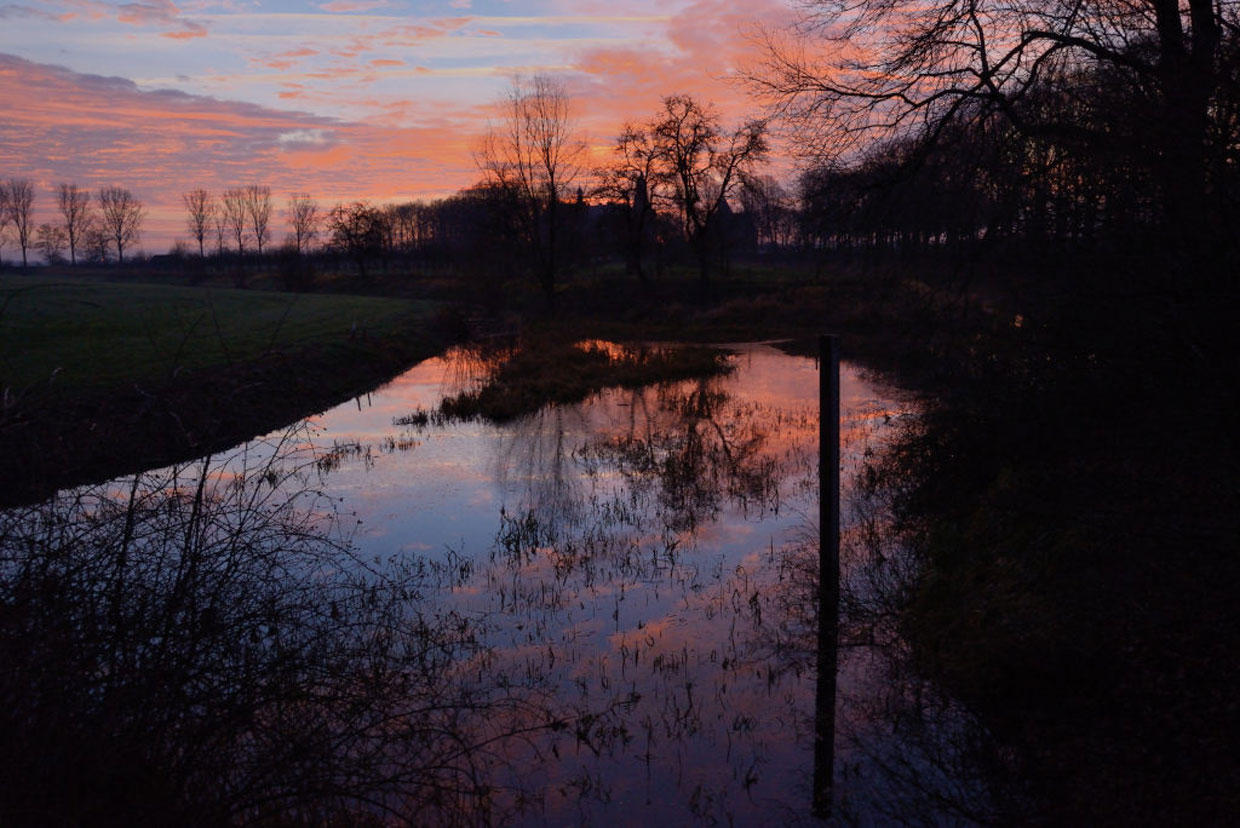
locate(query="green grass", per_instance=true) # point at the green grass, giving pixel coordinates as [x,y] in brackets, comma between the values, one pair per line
[89,335]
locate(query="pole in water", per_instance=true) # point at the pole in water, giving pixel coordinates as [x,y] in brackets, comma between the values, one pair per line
[828,570]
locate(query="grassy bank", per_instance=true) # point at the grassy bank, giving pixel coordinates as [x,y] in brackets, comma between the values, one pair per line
[87,335]
[102,378]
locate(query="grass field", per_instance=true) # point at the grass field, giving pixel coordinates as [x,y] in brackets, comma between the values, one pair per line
[89,335]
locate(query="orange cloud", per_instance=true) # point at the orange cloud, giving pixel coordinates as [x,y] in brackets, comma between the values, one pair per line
[186,34]
[97,131]
[709,44]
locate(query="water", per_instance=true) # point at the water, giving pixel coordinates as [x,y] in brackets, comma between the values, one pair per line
[600,613]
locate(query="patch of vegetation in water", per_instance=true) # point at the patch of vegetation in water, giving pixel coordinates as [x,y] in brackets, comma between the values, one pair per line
[542,372]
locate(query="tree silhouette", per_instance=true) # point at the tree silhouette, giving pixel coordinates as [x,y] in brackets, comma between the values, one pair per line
[303,219]
[199,212]
[534,157]
[121,215]
[701,167]
[74,205]
[19,207]
[234,211]
[627,180]
[257,201]
[357,230]
[52,240]
[852,73]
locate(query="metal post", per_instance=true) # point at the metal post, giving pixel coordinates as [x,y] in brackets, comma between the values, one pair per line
[828,569]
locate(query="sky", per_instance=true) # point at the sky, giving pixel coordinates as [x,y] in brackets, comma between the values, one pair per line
[382,100]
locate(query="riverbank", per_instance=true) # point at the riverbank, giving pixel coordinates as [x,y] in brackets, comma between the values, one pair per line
[103,379]
[1070,496]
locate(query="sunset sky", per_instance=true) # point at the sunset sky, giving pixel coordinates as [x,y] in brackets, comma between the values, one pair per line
[344,99]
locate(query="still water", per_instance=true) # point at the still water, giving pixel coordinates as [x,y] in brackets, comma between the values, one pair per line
[598,614]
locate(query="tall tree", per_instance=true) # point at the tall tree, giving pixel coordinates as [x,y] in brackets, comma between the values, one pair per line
[855,70]
[74,205]
[219,228]
[534,157]
[96,244]
[52,241]
[4,217]
[303,219]
[121,215]
[199,212]
[19,201]
[258,210]
[235,217]
[702,166]
[358,230]
[627,180]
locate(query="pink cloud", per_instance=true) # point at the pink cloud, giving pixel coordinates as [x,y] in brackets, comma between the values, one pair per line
[353,5]
[712,40]
[60,125]
[160,13]
[194,30]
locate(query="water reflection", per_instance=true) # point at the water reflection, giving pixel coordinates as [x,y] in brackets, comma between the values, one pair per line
[599,613]
[205,645]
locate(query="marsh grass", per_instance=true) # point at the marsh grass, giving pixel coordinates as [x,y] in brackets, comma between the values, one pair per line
[550,370]
[204,645]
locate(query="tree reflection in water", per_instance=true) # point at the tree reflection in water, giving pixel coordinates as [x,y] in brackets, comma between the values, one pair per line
[209,644]
[203,645]
[608,571]
[605,568]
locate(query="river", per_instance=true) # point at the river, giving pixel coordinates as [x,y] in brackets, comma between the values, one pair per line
[597,614]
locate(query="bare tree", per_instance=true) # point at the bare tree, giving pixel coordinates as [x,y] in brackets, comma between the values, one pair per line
[51,239]
[534,157]
[19,203]
[303,218]
[235,216]
[219,227]
[769,204]
[852,72]
[701,166]
[258,210]
[627,180]
[95,244]
[74,205]
[358,230]
[200,210]
[121,214]
[4,217]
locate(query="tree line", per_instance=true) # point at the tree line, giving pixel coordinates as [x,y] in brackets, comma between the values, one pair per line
[679,185]
[89,228]
[1036,123]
